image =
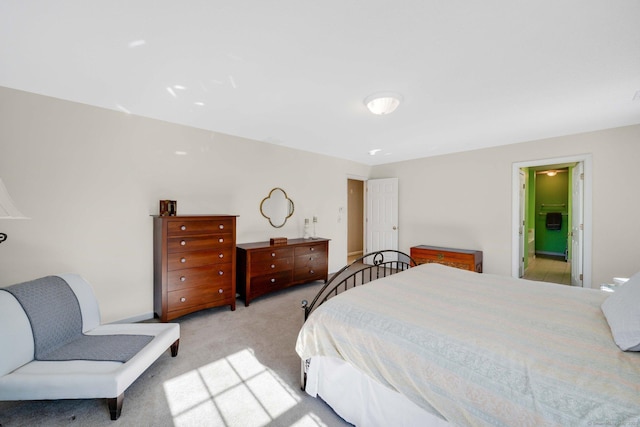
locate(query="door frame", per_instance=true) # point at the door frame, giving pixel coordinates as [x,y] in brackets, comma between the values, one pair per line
[576,238]
[365,211]
[586,160]
[342,213]
[522,229]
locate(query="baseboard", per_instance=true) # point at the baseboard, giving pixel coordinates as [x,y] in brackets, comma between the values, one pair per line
[550,253]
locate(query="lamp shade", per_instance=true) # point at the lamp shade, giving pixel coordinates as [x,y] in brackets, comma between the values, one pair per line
[8,209]
[383,102]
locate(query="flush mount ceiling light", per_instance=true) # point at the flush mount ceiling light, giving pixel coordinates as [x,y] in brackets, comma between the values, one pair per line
[383,102]
[551,172]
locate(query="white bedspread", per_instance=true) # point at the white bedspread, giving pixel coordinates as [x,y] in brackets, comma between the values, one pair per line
[483,349]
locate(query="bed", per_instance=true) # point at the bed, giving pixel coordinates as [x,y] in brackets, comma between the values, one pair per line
[435,345]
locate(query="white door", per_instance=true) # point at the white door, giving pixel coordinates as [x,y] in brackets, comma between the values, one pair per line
[577,224]
[522,229]
[382,214]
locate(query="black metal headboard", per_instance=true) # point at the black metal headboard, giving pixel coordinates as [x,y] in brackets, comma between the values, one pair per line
[365,269]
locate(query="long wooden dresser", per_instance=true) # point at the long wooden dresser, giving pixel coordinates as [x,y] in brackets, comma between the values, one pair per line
[464,259]
[194,261]
[264,268]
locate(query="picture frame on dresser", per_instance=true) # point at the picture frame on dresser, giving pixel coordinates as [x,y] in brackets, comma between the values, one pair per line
[194,265]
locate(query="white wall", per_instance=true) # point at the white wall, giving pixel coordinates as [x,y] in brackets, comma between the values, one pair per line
[464,200]
[89,178]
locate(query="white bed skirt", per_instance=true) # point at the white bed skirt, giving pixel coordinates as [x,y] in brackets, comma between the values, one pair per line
[362,401]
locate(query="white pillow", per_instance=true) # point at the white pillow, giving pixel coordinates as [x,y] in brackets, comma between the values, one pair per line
[622,310]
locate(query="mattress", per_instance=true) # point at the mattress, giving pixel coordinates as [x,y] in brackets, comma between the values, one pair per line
[482,349]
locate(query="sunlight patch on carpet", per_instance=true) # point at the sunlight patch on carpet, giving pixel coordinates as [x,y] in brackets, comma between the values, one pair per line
[234,391]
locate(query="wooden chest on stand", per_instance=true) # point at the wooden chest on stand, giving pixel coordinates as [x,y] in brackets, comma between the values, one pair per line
[264,268]
[194,262]
[464,259]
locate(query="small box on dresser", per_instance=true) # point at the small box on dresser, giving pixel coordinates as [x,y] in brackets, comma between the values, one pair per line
[194,263]
[464,259]
[264,268]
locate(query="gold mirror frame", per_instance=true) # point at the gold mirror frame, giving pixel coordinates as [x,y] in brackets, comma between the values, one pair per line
[277,207]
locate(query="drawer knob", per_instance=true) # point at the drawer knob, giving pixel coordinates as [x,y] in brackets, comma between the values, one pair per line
[221,227]
[273,280]
[183,299]
[440,256]
[182,278]
[220,272]
[313,249]
[183,260]
[273,254]
[221,240]
[311,272]
[182,242]
[183,227]
[220,255]
[273,266]
[220,290]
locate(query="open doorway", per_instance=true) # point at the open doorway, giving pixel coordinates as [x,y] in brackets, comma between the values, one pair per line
[548,254]
[355,219]
[552,220]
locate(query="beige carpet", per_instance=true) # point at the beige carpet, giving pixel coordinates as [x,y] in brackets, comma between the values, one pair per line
[235,368]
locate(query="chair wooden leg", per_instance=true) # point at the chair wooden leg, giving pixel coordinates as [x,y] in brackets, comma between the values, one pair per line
[174,348]
[115,406]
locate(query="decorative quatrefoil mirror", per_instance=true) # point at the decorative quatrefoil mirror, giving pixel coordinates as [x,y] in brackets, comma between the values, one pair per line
[277,207]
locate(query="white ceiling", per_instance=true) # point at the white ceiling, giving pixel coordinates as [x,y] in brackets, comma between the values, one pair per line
[295,72]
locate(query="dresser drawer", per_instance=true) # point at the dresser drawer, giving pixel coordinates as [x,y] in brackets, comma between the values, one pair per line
[310,249]
[201,295]
[262,284]
[268,266]
[275,253]
[311,260]
[199,276]
[196,243]
[438,256]
[180,260]
[310,273]
[190,227]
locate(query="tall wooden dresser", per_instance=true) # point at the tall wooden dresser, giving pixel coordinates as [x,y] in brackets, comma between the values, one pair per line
[464,259]
[264,268]
[194,263]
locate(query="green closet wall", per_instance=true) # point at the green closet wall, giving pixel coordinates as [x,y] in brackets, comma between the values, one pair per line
[551,195]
